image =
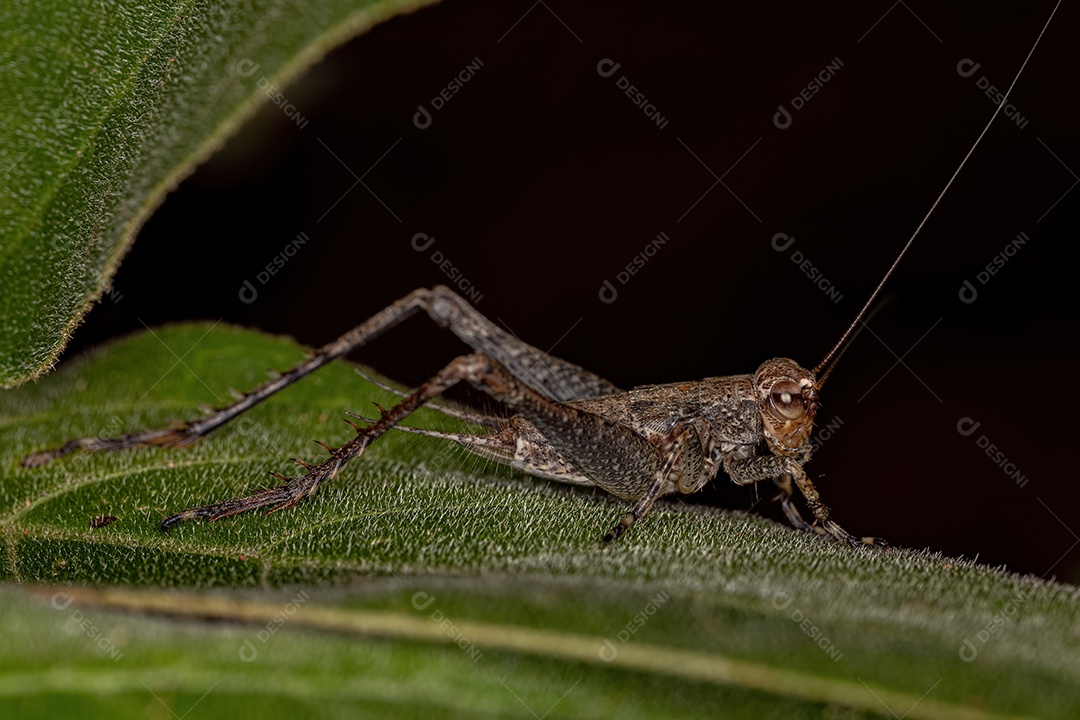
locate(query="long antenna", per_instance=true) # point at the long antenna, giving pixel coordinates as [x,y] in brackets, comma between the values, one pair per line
[873,296]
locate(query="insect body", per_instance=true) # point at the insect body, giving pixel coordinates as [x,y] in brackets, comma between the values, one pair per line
[658,439]
[570,424]
[754,427]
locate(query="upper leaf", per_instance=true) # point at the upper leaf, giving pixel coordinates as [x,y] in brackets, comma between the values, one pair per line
[105,107]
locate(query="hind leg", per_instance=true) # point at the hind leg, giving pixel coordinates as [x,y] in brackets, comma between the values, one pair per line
[552,377]
[613,456]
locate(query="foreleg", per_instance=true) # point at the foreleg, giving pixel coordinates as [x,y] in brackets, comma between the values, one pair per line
[768,467]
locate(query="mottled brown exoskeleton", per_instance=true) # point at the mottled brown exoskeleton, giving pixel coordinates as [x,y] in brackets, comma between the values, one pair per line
[570,424]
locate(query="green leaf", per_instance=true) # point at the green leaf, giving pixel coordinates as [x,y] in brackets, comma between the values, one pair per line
[422,580]
[104,107]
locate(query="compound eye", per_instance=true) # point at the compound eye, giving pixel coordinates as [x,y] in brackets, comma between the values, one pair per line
[788,400]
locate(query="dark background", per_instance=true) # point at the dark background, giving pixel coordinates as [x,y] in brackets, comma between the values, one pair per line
[540,179]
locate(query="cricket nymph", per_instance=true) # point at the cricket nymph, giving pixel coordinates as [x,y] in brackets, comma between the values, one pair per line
[654,440]
[743,424]
[566,423]
[730,417]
